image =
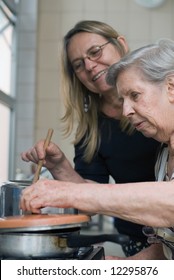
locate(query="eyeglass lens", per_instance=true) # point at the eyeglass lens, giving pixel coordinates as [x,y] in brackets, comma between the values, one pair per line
[93,54]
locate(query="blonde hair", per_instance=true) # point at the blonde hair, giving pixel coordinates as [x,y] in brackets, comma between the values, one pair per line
[74,91]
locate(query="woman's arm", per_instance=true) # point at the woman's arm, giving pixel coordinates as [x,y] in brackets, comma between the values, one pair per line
[148,203]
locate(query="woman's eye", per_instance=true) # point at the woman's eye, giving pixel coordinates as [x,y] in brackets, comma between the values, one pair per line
[94,52]
[77,65]
[134,95]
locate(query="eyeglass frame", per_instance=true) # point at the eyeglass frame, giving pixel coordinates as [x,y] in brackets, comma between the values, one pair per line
[89,56]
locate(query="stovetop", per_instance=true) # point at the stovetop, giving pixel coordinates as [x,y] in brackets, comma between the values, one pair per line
[84,253]
[91,253]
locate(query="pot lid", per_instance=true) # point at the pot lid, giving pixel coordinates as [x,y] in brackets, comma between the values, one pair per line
[35,222]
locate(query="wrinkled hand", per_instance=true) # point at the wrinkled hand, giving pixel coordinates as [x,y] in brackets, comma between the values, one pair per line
[52,156]
[45,193]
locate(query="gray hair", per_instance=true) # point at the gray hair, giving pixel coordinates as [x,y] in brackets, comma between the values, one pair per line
[154,61]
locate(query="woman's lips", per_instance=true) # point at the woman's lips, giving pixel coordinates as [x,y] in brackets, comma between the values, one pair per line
[96,77]
[139,125]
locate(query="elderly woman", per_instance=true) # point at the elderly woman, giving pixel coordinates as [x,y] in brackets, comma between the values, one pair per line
[145,83]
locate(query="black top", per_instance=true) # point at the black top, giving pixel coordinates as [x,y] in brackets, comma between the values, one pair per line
[127,158]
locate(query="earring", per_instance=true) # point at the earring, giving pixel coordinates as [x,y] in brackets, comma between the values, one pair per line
[86,103]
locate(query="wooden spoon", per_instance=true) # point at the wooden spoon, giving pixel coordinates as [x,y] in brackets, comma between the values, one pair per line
[40,163]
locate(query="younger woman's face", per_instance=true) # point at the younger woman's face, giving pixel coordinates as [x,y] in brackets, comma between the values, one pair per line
[93,73]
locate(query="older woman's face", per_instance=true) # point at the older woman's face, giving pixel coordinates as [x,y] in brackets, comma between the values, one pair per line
[94,72]
[145,104]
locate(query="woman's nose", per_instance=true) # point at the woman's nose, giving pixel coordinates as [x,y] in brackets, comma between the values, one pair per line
[127,109]
[89,64]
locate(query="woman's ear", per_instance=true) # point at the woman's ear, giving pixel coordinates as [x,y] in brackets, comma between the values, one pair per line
[170,88]
[123,42]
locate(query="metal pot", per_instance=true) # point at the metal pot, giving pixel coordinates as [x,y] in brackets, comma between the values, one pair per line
[35,236]
[10,196]
[46,245]
[9,199]
[34,245]
[45,236]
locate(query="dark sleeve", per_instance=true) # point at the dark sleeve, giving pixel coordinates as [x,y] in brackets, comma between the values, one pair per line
[95,170]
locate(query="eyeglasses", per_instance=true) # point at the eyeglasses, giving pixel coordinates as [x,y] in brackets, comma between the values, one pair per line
[93,54]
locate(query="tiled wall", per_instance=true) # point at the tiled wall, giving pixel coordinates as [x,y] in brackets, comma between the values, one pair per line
[26,78]
[40,106]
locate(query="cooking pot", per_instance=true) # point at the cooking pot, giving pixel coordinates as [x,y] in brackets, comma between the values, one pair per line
[46,245]
[10,193]
[45,236]
[10,196]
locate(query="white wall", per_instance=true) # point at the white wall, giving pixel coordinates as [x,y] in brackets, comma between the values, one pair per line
[39,53]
